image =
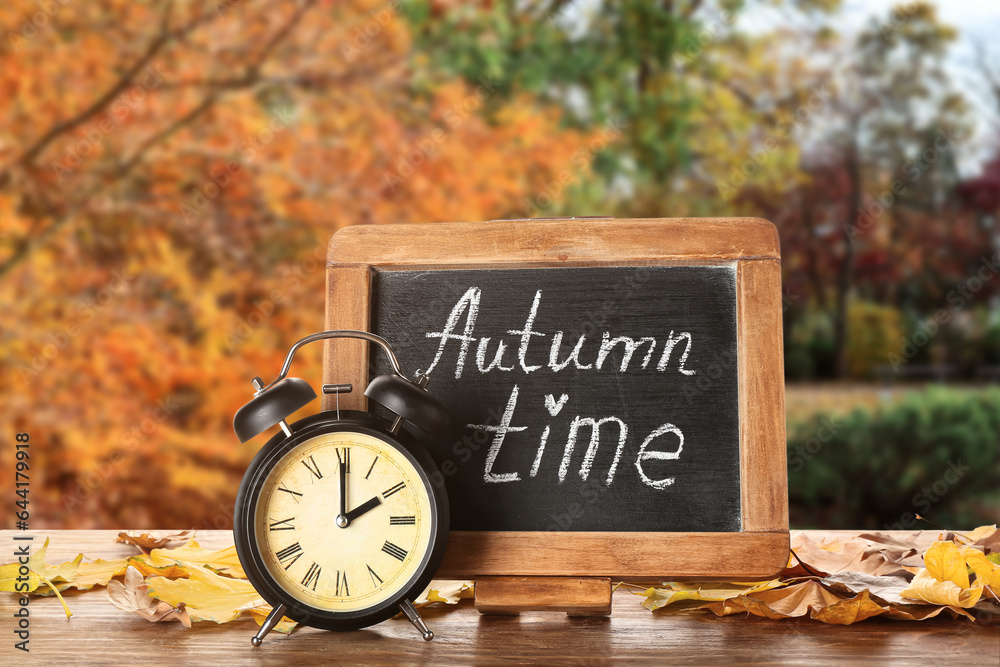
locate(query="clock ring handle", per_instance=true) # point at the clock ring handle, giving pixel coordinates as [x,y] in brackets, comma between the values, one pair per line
[336,333]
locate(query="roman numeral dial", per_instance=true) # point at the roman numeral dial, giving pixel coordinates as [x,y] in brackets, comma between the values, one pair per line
[314,559]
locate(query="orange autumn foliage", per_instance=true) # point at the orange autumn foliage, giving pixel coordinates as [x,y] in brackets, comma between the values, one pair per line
[170,174]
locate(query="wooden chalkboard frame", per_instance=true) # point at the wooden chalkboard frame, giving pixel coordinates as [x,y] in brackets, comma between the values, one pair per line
[760,549]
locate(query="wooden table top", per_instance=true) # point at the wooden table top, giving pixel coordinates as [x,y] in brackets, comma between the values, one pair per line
[100,634]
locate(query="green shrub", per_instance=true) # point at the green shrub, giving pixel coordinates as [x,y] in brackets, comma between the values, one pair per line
[935,453]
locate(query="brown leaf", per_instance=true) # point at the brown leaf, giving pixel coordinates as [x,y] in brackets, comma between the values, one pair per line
[922,612]
[885,588]
[146,541]
[131,595]
[989,542]
[855,555]
[788,602]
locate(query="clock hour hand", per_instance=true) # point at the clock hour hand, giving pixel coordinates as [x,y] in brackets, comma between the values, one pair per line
[362,508]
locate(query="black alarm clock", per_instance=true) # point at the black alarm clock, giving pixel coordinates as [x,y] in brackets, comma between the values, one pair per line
[337,523]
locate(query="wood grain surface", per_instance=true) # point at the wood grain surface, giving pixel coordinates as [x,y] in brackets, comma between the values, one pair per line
[99,634]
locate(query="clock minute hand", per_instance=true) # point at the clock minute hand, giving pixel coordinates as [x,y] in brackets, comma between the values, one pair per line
[363,508]
[342,519]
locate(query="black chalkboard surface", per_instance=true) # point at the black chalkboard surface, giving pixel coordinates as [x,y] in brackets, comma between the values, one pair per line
[533,362]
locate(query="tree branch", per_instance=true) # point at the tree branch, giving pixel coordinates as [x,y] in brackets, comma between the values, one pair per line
[252,76]
[123,82]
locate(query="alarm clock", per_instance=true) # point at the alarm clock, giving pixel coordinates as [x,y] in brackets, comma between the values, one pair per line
[338,523]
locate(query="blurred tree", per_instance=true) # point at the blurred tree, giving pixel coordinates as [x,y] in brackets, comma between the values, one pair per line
[879,166]
[689,96]
[170,174]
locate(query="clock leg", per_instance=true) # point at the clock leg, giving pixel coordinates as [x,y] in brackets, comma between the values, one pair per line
[414,616]
[268,625]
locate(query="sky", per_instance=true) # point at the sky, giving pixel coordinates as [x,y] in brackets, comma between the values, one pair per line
[978,24]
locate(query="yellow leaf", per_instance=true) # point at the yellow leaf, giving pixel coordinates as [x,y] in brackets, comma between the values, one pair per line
[944,562]
[97,573]
[657,598]
[849,611]
[206,595]
[224,561]
[55,590]
[285,625]
[42,578]
[449,592]
[9,575]
[987,573]
[929,589]
[170,570]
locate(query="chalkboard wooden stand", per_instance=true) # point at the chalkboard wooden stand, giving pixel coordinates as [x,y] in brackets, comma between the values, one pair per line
[577,596]
[571,570]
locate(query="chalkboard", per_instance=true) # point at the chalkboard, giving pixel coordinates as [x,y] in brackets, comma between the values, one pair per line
[680,323]
[529,361]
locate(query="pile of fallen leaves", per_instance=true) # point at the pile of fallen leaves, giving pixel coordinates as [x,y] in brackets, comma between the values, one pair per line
[187,583]
[910,578]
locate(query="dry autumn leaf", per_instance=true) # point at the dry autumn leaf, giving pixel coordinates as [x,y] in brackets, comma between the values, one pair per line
[131,595]
[97,573]
[673,592]
[208,596]
[42,579]
[868,556]
[852,610]
[945,563]
[885,588]
[170,562]
[946,579]
[146,541]
[449,592]
[929,589]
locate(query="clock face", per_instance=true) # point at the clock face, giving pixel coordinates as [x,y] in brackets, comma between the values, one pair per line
[349,559]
